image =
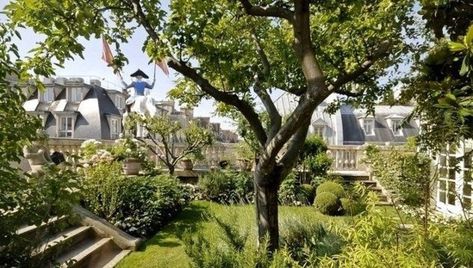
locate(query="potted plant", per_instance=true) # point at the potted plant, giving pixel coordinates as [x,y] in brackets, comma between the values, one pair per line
[187,164]
[131,152]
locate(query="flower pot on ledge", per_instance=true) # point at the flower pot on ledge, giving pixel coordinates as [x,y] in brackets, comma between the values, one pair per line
[187,164]
[131,166]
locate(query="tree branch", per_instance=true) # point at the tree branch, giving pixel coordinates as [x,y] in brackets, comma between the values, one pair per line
[294,146]
[273,112]
[269,11]
[348,77]
[244,107]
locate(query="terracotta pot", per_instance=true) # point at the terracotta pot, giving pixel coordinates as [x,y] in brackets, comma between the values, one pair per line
[244,164]
[131,166]
[187,164]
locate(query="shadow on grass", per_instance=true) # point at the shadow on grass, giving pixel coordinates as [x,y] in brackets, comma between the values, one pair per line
[188,220]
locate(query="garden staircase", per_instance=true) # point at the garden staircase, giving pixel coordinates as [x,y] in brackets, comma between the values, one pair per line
[371,185]
[76,245]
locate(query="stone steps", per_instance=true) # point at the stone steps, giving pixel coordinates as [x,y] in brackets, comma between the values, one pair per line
[371,185]
[76,245]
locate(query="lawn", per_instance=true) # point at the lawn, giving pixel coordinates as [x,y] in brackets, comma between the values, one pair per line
[166,249]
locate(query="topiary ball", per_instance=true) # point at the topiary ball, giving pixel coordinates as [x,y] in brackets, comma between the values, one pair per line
[327,203]
[308,191]
[331,187]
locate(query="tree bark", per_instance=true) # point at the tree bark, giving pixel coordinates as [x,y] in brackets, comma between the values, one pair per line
[266,202]
[171,169]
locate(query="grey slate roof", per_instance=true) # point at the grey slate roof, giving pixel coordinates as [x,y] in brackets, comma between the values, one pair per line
[91,112]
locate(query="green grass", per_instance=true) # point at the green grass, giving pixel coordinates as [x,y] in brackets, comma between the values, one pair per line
[166,249]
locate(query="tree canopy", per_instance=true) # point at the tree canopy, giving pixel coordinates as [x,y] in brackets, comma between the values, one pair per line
[239,51]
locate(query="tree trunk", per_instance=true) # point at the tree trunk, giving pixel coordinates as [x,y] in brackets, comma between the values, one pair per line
[171,169]
[266,200]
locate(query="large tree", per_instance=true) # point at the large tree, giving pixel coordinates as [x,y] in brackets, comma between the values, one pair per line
[238,51]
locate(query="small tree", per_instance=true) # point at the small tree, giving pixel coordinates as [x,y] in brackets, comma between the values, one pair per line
[165,134]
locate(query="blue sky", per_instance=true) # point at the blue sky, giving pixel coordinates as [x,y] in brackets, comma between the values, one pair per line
[93,66]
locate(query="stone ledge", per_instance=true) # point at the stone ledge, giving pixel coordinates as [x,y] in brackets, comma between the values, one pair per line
[122,239]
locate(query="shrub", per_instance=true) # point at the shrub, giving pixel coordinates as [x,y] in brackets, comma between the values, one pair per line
[138,205]
[327,203]
[227,187]
[331,187]
[308,193]
[288,191]
[244,187]
[307,240]
[352,207]
[148,203]
[218,186]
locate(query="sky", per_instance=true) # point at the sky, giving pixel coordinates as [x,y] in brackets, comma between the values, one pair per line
[92,66]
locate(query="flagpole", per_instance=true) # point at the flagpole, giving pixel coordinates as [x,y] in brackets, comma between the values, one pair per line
[154,76]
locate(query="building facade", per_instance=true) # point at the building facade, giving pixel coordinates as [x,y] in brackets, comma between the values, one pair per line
[71,108]
[350,126]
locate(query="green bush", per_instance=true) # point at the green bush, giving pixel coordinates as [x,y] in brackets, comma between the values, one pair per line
[308,193]
[352,207]
[227,187]
[331,187]
[244,187]
[307,240]
[327,203]
[138,205]
[288,191]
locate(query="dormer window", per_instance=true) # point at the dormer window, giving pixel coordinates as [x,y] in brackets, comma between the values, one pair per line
[119,102]
[74,94]
[319,131]
[396,127]
[368,126]
[395,124]
[47,95]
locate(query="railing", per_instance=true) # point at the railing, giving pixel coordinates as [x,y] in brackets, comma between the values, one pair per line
[213,154]
[347,158]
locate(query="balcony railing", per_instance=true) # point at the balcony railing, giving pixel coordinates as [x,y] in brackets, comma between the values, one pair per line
[213,154]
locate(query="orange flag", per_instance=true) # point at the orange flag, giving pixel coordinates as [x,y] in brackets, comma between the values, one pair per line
[107,55]
[163,65]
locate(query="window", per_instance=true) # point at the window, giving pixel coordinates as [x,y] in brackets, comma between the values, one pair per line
[47,95]
[368,126]
[66,126]
[396,127]
[74,94]
[119,102]
[446,182]
[115,128]
[467,182]
[319,131]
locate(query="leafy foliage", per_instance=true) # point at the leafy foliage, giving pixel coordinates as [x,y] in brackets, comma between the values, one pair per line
[403,171]
[291,192]
[138,205]
[442,81]
[314,158]
[227,187]
[304,243]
